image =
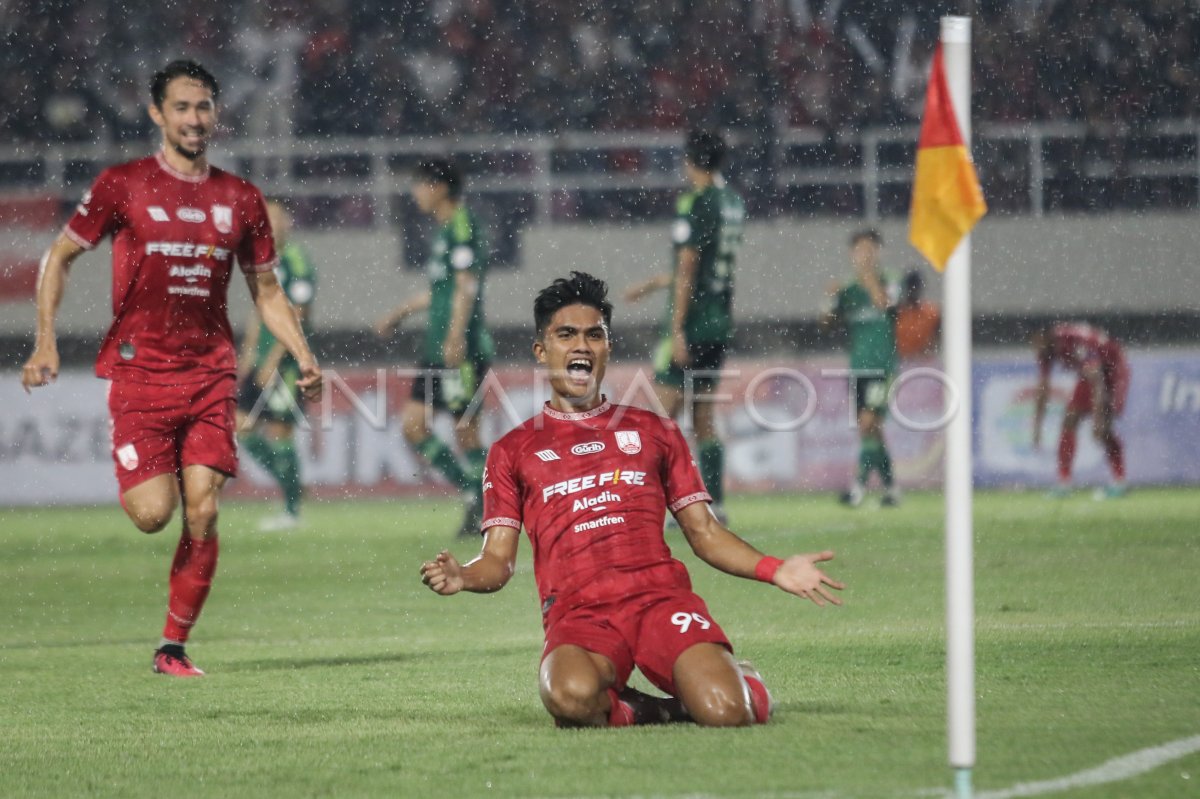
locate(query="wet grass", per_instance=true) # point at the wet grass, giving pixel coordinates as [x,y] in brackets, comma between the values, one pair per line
[333,672]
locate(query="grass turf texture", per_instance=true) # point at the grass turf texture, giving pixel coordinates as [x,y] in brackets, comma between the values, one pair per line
[333,672]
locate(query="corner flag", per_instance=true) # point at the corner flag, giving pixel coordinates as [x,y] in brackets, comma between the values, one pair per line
[946,198]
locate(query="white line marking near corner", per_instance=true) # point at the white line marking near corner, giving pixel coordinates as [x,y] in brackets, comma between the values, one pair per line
[1115,770]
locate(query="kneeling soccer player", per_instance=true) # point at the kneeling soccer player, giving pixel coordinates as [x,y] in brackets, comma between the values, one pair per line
[591,481]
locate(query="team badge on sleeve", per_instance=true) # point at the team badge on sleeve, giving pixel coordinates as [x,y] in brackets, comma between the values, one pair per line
[222,217]
[629,441]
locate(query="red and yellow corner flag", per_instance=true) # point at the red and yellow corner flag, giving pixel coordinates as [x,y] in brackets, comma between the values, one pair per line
[946,198]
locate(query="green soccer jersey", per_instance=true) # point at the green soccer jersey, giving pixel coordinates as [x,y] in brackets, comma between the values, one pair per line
[872,331]
[299,281]
[709,221]
[459,245]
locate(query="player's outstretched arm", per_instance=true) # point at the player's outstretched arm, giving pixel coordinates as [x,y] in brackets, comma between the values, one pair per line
[489,572]
[829,315]
[280,317]
[387,323]
[249,347]
[639,290]
[717,546]
[42,366]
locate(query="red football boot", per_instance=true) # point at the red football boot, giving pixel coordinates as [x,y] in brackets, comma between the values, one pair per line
[760,697]
[172,660]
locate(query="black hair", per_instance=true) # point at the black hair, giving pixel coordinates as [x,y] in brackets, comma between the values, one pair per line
[179,69]
[578,289]
[705,150]
[869,233]
[439,170]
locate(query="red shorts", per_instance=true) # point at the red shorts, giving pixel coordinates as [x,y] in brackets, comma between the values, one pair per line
[1116,389]
[650,631]
[160,429]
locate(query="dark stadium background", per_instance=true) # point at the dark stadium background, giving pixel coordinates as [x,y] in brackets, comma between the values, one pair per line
[1081,108]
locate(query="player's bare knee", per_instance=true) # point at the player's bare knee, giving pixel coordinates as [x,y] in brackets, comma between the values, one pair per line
[149,521]
[151,516]
[572,698]
[720,708]
[201,514]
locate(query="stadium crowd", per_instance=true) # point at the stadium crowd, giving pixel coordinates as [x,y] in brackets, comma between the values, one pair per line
[72,68]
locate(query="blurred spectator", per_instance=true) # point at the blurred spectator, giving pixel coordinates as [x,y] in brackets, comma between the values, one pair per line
[918,321]
[66,107]
[400,67]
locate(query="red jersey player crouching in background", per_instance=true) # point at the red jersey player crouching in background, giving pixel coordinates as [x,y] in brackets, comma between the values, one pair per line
[591,481]
[1101,391]
[177,226]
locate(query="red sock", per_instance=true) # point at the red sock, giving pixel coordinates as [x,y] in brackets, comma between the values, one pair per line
[760,700]
[1066,454]
[1116,456]
[621,713]
[191,577]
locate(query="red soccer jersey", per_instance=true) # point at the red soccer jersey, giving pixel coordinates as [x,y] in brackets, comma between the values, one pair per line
[175,237]
[592,490]
[1077,345]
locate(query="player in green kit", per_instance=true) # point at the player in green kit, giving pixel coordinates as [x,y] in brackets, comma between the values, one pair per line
[268,400]
[458,348]
[706,233]
[866,307]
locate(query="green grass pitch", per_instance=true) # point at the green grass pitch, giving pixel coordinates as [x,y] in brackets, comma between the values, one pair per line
[333,672]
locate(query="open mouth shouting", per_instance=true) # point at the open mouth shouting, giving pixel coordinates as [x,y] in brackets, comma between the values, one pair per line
[579,371]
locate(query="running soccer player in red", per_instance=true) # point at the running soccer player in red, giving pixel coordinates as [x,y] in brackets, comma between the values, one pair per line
[177,225]
[591,482]
[1101,391]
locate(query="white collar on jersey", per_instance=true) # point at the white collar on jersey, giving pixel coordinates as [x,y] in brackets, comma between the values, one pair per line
[175,173]
[577,417]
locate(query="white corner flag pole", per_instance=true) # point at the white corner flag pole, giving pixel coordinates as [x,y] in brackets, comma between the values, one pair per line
[956,346]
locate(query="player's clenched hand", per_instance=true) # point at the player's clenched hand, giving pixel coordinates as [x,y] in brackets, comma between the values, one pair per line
[311,381]
[443,574]
[40,369]
[799,575]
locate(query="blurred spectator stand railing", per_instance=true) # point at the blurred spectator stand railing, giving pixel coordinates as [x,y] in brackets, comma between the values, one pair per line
[632,177]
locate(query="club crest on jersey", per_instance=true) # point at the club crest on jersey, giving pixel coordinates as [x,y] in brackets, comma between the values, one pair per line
[629,441]
[222,217]
[127,456]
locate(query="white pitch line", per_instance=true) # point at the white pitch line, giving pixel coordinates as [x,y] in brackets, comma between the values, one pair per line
[1115,770]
